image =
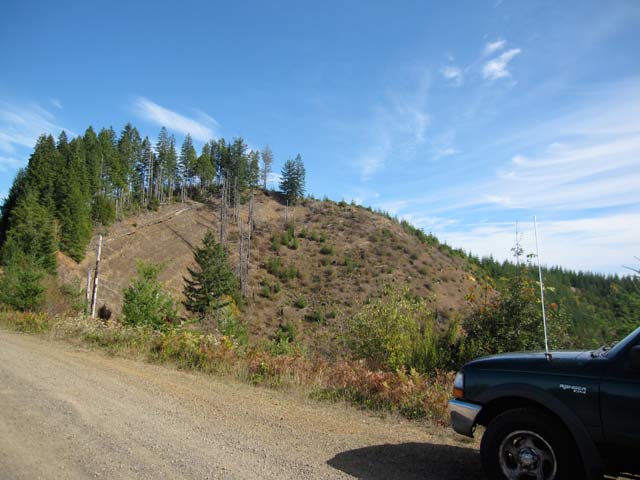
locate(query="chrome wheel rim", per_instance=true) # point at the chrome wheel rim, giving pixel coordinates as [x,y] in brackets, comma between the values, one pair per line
[525,455]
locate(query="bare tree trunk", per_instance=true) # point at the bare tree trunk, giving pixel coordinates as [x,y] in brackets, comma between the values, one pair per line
[94,297]
[224,213]
[87,292]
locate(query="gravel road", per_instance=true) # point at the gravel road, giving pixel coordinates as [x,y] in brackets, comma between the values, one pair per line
[70,413]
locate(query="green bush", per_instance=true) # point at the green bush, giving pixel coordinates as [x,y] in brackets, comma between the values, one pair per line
[317,316]
[21,284]
[512,321]
[275,242]
[398,331]
[145,303]
[277,269]
[300,302]
[326,250]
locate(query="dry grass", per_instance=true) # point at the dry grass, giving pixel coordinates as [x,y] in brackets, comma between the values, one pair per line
[362,252]
[409,393]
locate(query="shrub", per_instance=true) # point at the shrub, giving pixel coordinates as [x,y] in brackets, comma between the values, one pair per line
[293,244]
[511,321]
[317,316]
[395,331]
[326,250]
[303,233]
[300,302]
[21,284]
[277,269]
[275,242]
[144,301]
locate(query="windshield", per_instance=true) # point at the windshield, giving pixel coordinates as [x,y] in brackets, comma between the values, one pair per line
[621,345]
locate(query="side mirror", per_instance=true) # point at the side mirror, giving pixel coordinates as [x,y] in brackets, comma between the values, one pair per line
[634,358]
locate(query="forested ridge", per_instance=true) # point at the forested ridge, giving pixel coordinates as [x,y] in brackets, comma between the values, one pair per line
[70,187]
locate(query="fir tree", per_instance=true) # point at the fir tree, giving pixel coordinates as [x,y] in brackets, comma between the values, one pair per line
[30,234]
[212,281]
[292,184]
[253,177]
[267,161]
[20,284]
[145,303]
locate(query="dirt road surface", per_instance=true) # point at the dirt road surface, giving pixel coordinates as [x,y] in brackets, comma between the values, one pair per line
[71,413]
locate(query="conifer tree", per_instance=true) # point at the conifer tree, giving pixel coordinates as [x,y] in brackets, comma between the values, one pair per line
[187,165]
[74,210]
[253,176]
[292,184]
[16,193]
[145,303]
[211,281]
[205,168]
[20,284]
[31,234]
[267,161]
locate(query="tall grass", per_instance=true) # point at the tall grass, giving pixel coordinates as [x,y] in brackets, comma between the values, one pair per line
[408,393]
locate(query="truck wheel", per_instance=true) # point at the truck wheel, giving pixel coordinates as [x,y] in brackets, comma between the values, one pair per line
[526,443]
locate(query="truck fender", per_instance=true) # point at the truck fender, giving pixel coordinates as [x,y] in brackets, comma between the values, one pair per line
[594,466]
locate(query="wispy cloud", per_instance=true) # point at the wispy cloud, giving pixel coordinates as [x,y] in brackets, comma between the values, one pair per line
[398,126]
[498,67]
[10,164]
[20,127]
[492,47]
[578,171]
[599,243]
[453,74]
[201,128]
[56,103]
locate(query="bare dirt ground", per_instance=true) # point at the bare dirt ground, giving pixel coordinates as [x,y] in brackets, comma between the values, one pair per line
[70,413]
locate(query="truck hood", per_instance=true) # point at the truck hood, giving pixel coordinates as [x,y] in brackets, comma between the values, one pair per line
[561,362]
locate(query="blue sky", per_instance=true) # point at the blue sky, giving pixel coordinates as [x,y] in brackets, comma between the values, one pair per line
[462,117]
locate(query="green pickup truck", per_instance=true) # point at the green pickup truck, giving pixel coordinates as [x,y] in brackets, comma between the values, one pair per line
[564,415]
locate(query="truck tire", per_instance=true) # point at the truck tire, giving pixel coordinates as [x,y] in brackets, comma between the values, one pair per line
[527,443]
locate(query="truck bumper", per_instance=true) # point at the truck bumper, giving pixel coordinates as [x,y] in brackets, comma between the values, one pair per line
[463,416]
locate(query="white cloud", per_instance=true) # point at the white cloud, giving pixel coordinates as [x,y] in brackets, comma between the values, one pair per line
[202,129]
[20,127]
[273,180]
[56,103]
[497,67]
[453,74]
[597,243]
[10,164]
[398,126]
[493,47]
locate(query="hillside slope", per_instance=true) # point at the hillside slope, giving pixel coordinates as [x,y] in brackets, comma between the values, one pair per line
[348,254]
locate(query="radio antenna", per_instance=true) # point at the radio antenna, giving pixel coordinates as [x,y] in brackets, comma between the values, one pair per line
[547,354]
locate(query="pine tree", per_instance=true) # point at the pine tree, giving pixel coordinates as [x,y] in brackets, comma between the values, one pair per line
[267,161]
[145,303]
[187,165]
[31,234]
[16,192]
[205,168]
[20,284]
[292,184]
[74,210]
[212,281]
[253,176]
[93,160]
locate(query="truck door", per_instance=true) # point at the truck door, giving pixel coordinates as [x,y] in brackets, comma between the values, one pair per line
[620,401]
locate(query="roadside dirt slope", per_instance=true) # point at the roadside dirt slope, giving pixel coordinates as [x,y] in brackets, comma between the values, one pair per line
[71,413]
